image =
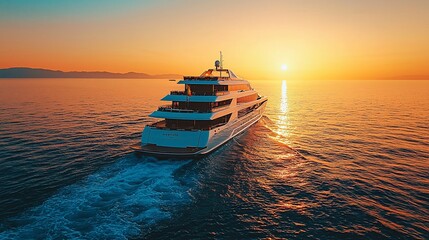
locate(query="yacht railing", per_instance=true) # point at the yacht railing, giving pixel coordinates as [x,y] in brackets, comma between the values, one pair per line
[162,125]
[216,93]
[170,108]
[208,78]
[177,93]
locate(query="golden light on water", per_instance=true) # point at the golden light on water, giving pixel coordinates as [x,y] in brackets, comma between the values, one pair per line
[282,122]
[283,99]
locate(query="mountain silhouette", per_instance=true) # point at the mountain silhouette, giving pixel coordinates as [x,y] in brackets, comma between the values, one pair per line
[25,72]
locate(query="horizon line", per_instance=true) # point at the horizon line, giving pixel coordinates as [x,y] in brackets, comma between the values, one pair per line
[399,77]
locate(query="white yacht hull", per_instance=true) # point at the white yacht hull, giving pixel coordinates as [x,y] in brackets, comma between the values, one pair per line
[233,129]
[194,143]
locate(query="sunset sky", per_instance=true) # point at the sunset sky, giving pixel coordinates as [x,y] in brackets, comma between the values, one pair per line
[332,39]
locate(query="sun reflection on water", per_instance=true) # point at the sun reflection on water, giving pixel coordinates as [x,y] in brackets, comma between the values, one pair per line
[283,99]
[282,122]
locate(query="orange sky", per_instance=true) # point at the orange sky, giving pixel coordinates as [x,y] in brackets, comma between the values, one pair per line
[315,39]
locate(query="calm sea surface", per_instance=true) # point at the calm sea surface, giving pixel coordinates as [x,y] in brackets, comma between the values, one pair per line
[330,160]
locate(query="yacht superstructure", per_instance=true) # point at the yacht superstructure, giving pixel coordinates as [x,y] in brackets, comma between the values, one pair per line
[213,108]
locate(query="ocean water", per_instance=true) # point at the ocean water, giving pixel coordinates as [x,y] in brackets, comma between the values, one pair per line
[329,160]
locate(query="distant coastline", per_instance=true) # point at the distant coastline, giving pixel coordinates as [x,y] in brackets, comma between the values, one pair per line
[25,72]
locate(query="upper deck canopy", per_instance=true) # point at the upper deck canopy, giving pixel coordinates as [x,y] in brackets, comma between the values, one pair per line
[215,74]
[219,73]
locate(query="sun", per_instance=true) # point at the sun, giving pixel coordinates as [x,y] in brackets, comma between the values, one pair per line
[284,67]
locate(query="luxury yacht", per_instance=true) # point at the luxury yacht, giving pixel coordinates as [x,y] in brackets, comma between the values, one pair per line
[213,108]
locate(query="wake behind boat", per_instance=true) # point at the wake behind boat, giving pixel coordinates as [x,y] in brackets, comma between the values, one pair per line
[214,107]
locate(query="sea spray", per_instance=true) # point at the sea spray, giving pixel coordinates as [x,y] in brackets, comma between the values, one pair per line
[119,201]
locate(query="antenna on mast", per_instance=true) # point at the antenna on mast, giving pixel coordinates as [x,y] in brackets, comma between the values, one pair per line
[219,64]
[221,60]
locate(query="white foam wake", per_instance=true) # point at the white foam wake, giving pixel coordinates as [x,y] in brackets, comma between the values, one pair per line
[114,203]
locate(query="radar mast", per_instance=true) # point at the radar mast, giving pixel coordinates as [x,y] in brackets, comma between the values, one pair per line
[219,64]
